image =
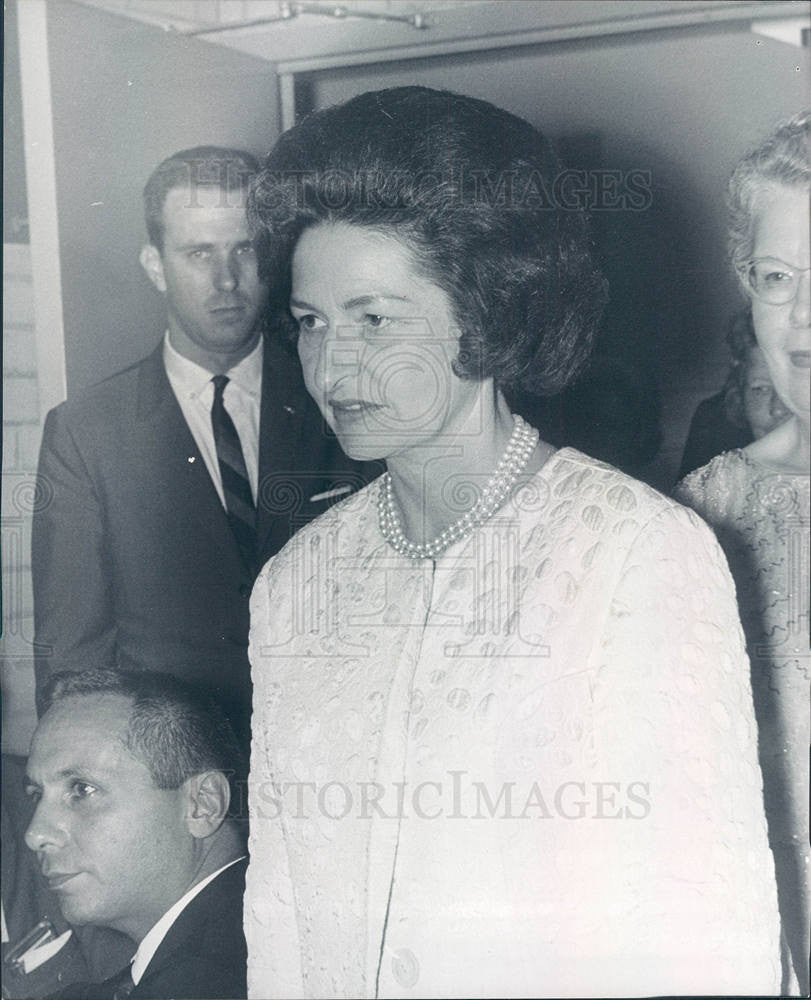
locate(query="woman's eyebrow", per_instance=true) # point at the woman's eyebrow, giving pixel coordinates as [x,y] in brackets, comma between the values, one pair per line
[355,301]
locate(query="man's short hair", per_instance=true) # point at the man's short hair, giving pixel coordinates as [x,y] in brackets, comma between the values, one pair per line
[175,728]
[230,170]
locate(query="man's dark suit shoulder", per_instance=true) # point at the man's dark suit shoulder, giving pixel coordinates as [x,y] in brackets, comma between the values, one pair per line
[102,408]
[204,955]
[115,396]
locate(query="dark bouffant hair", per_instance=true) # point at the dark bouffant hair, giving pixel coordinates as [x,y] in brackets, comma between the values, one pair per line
[466,187]
[207,166]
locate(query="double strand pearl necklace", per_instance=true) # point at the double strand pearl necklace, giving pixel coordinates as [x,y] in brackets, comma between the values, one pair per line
[520,447]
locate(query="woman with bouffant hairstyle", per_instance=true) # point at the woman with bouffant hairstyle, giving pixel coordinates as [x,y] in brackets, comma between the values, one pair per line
[473,196]
[503,735]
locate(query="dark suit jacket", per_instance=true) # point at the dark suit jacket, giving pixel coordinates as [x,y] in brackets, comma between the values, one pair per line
[204,953]
[134,563]
[202,957]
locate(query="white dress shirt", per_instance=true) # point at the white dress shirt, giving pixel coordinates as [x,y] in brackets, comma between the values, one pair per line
[149,945]
[242,399]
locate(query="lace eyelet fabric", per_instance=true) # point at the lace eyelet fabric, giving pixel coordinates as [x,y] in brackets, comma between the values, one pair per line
[527,767]
[763,520]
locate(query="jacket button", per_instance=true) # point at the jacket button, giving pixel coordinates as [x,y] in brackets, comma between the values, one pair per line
[244,590]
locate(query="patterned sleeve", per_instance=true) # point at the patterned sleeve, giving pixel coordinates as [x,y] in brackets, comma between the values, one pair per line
[269,914]
[698,489]
[674,696]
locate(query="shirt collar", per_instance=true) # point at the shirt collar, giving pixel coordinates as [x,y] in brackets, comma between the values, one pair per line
[193,379]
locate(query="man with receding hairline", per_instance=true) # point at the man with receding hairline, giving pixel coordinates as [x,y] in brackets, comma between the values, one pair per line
[132,777]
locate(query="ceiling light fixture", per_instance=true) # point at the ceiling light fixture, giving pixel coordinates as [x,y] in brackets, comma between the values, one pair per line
[289,11]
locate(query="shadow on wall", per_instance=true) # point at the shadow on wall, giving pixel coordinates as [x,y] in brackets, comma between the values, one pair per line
[651,329]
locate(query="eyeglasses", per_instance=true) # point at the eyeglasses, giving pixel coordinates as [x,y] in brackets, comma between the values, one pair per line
[772,280]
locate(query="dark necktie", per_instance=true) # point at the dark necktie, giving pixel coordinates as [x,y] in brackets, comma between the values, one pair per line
[235,483]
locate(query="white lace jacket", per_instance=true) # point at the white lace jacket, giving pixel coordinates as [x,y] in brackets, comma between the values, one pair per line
[526,769]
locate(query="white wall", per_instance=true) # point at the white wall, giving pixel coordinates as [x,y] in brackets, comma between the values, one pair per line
[125,96]
[21,433]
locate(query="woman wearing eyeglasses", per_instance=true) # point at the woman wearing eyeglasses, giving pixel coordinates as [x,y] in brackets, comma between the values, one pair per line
[757,498]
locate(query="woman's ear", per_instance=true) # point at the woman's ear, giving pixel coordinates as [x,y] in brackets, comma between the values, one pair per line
[208,796]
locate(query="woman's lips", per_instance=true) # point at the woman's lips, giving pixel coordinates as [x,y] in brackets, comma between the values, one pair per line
[800,359]
[352,407]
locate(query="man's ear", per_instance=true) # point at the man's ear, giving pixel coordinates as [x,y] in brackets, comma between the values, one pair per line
[152,263]
[208,796]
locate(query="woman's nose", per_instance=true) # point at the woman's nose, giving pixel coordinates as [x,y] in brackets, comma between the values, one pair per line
[339,356]
[801,306]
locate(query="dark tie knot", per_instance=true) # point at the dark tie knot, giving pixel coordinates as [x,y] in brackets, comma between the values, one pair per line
[220,382]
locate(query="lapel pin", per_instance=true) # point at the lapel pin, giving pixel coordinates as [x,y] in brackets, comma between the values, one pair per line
[329,494]
[191,458]
[290,410]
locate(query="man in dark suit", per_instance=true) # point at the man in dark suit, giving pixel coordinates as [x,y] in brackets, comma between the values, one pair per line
[165,488]
[132,774]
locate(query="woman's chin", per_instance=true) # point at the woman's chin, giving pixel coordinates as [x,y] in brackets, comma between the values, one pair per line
[363,447]
[374,446]
[799,403]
